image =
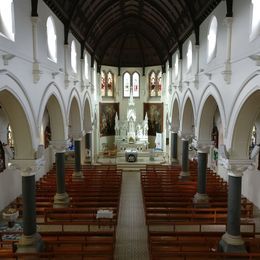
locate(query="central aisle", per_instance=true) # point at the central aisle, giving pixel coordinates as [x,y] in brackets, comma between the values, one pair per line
[131,229]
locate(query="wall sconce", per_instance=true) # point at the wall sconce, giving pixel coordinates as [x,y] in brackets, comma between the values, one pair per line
[7,57]
[75,82]
[209,75]
[186,82]
[54,74]
[256,58]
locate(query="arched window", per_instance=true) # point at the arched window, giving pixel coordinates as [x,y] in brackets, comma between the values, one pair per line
[103,83]
[255,26]
[7,19]
[107,84]
[126,84]
[110,84]
[73,57]
[86,65]
[176,65]
[189,56]
[155,84]
[131,81]
[136,84]
[51,39]
[212,38]
[159,82]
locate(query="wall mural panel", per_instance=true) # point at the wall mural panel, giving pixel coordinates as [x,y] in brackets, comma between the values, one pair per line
[155,117]
[107,112]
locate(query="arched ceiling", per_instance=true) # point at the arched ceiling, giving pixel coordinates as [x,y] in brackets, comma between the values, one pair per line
[132,33]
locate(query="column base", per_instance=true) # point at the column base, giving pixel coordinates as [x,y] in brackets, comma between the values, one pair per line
[30,244]
[175,161]
[184,176]
[232,244]
[77,174]
[201,200]
[61,200]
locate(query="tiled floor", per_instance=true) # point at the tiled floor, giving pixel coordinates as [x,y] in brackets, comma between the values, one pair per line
[131,229]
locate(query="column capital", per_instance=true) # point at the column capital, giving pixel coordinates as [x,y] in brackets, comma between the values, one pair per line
[228,21]
[185,135]
[236,167]
[175,129]
[27,167]
[77,135]
[59,146]
[34,19]
[202,146]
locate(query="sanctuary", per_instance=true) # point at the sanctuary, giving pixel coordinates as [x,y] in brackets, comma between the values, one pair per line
[130,134]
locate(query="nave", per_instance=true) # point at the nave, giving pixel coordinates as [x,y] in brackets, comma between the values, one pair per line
[75,231]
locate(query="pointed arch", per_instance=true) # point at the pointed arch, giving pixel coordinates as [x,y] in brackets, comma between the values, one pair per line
[210,101]
[53,101]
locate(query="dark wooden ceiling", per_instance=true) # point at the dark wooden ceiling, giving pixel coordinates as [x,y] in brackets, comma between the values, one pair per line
[132,33]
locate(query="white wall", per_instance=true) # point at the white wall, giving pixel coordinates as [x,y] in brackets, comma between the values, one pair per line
[17,78]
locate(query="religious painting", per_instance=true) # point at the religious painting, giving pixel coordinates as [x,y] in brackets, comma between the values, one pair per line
[155,117]
[107,112]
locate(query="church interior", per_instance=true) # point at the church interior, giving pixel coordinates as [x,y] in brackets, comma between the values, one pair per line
[129,129]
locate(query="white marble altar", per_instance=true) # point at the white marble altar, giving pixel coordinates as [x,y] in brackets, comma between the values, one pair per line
[130,133]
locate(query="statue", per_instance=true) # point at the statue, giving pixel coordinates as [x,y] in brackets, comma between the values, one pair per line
[145,127]
[116,125]
[130,133]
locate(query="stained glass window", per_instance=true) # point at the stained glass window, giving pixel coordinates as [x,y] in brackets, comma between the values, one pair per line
[131,81]
[103,83]
[110,84]
[126,84]
[136,84]
[107,84]
[155,84]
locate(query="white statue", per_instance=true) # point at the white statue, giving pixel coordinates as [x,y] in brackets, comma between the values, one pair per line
[145,125]
[116,124]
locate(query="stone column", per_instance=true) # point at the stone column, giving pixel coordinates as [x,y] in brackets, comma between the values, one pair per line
[30,240]
[61,198]
[88,143]
[77,171]
[185,159]
[174,147]
[201,197]
[232,241]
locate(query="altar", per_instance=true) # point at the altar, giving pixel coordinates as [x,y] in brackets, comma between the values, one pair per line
[131,155]
[130,134]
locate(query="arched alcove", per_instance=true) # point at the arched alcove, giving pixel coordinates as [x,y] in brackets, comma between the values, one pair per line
[187,124]
[175,116]
[56,119]
[87,123]
[74,118]
[246,118]
[20,127]
[210,121]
